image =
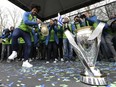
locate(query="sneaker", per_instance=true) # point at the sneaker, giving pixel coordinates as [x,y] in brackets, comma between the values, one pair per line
[13,55]
[62,59]
[22,59]
[30,60]
[27,64]
[47,62]
[55,61]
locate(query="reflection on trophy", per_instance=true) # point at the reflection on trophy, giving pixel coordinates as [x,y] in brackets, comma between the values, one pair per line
[87,48]
[44,30]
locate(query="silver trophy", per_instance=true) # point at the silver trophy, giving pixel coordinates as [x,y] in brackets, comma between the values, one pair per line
[87,48]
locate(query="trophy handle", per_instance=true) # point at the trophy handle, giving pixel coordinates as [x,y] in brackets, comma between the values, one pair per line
[96,36]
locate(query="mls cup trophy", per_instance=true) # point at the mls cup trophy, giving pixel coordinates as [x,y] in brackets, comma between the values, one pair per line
[87,48]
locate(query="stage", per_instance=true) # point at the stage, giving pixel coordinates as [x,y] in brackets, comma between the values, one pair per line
[60,74]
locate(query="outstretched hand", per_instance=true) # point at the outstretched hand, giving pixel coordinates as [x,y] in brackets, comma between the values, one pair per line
[39,21]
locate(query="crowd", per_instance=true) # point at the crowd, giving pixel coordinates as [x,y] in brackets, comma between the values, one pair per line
[28,43]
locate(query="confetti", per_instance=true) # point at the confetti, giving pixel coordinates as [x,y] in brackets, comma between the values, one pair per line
[17,84]
[10,84]
[53,84]
[61,73]
[7,79]
[63,85]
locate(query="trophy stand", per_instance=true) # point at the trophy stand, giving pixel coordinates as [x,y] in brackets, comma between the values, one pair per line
[87,48]
[93,80]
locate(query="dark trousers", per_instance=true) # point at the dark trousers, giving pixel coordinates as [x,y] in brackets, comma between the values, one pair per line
[27,38]
[60,48]
[21,51]
[33,51]
[105,53]
[42,50]
[5,51]
[52,50]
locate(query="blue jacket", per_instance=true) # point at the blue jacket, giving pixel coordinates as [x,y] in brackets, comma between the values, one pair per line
[91,20]
[55,35]
[36,37]
[26,19]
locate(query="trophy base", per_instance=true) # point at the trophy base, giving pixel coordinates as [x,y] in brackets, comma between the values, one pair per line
[94,80]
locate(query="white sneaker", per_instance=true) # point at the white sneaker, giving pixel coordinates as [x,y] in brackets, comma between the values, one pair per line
[30,60]
[27,64]
[55,61]
[13,55]
[62,59]
[47,61]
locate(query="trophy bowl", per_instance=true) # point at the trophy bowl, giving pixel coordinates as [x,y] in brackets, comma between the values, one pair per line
[87,48]
[44,30]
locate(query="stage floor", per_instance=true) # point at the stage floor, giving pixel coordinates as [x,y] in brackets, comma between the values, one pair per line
[61,74]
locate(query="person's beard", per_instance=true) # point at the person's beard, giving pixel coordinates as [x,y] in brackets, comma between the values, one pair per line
[34,14]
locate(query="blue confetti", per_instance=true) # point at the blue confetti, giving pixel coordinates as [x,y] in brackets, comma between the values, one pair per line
[42,85]
[11,84]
